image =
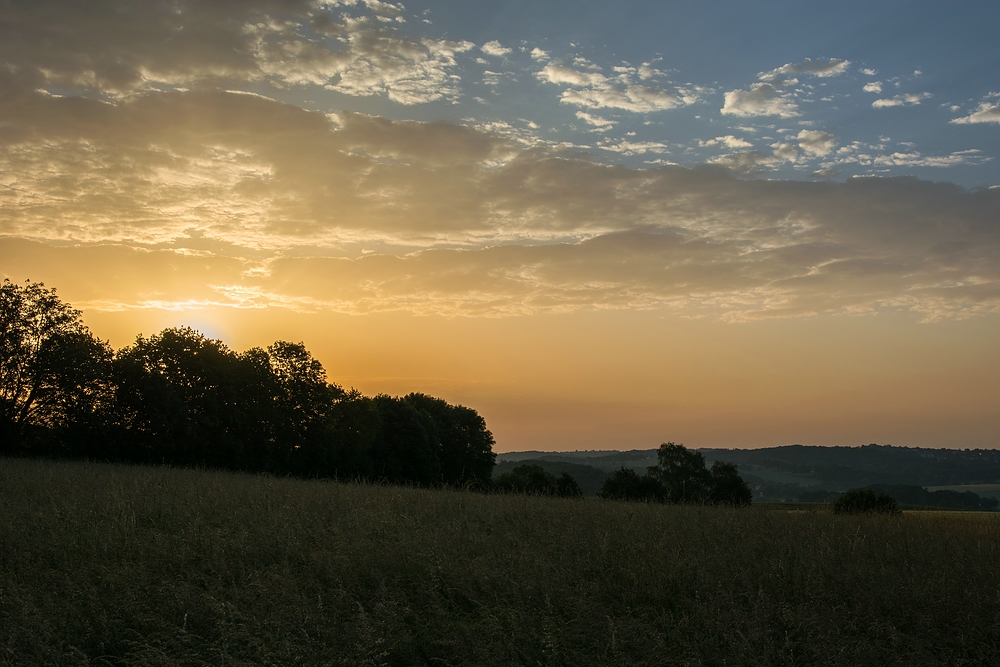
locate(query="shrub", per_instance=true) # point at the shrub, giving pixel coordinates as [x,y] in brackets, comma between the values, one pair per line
[534,480]
[865,501]
[626,484]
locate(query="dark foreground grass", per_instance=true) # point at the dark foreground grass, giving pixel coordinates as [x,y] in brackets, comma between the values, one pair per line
[121,565]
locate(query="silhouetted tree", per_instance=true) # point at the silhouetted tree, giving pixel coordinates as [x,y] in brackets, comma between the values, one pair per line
[627,484]
[682,472]
[566,486]
[467,457]
[406,448]
[181,398]
[728,487]
[53,371]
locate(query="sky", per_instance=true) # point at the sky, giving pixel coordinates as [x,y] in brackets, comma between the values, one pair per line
[602,225]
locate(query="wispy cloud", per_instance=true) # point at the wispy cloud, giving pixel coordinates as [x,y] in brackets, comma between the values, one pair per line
[908,99]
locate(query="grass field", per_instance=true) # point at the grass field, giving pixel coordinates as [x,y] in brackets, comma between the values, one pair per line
[118,565]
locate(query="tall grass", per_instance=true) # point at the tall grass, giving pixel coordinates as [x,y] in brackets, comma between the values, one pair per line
[119,565]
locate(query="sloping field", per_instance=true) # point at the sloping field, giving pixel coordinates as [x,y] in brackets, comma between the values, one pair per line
[120,565]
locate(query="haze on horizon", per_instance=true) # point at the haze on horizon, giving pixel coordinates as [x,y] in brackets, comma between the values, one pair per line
[601,225]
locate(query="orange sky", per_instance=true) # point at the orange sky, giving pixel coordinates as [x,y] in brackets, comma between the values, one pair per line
[347,175]
[627,379]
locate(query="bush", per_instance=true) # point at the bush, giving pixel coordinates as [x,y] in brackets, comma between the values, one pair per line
[865,501]
[534,480]
[626,484]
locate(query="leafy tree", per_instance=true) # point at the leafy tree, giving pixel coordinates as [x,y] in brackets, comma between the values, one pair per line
[728,488]
[626,484]
[534,479]
[865,501]
[682,472]
[566,486]
[406,448]
[53,371]
[182,396]
[467,457]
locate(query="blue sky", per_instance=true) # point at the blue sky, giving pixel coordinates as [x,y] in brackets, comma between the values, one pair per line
[909,74]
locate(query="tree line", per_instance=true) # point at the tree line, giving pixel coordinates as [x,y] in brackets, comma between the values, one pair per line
[181,398]
[680,476]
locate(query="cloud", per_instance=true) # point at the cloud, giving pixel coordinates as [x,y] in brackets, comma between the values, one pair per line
[711,246]
[729,141]
[593,90]
[869,72]
[816,142]
[117,48]
[988,111]
[495,48]
[162,199]
[596,121]
[771,95]
[636,147]
[821,67]
[762,99]
[915,159]
[873,87]
[909,99]
[539,54]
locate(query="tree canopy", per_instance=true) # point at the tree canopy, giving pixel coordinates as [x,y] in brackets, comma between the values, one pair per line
[182,398]
[53,371]
[680,476]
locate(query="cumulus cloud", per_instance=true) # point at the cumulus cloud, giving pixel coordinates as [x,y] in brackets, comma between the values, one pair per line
[539,54]
[873,87]
[988,111]
[593,90]
[762,99]
[815,142]
[772,96]
[728,141]
[495,48]
[908,99]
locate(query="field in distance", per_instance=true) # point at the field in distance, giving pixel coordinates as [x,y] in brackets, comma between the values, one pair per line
[127,565]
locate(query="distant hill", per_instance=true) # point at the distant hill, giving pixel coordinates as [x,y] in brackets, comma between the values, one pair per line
[839,468]
[802,472]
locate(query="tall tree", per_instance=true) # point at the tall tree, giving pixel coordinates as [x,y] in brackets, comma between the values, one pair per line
[728,488]
[682,472]
[52,369]
[183,395]
[467,457]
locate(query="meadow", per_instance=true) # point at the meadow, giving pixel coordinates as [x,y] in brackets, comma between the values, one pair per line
[126,565]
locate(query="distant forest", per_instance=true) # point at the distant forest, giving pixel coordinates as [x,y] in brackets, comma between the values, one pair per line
[181,398]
